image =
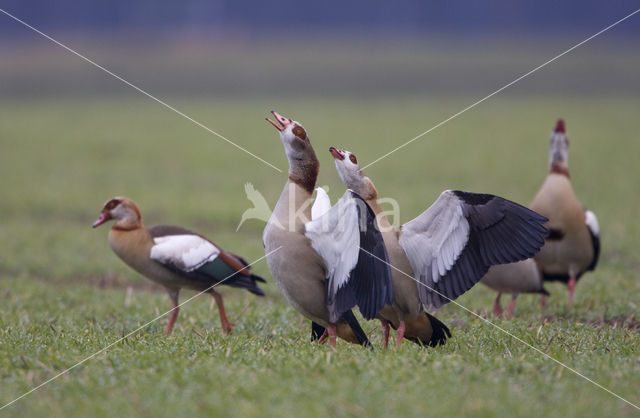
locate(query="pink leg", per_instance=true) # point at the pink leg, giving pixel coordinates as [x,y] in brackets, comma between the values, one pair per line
[512,306]
[572,287]
[543,300]
[323,337]
[332,334]
[174,312]
[385,332]
[400,334]
[497,309]
[227,326]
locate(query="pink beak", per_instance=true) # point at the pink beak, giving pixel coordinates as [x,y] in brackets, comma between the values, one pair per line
[337,154]
[281,120]
[104,217]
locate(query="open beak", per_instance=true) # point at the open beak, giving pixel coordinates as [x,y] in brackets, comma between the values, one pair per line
[104,217]
[337,154]
[282,121]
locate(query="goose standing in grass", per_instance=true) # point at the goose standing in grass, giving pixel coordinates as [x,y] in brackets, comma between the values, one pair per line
[322,262]
[443,252]
[175,257]
[573,244]
[514,278]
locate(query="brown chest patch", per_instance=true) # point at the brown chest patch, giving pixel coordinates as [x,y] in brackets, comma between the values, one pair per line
[306,176]
[558,169]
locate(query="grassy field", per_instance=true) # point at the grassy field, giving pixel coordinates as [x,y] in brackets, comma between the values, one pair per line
[64,295]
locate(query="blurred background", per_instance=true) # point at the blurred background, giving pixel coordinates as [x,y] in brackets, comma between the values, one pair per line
[336,48]
[364,76]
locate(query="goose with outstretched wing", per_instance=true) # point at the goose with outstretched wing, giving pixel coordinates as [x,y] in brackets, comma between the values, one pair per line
[315,254]
[444,251]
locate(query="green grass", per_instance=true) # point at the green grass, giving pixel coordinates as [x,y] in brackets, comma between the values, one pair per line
[64,294]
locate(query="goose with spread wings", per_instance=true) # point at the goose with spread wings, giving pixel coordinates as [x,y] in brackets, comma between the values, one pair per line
[315,253]
[444,251]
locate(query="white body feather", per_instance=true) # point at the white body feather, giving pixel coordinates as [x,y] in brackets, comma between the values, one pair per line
[592,223]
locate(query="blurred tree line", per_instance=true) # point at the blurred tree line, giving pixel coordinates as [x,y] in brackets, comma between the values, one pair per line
[408,15]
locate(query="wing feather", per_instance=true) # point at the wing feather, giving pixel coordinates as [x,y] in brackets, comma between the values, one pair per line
[351,246]
[454,242]
[187,252]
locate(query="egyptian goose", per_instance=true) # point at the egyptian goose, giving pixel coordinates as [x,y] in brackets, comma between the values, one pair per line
[322,263]
[175,257]
[573,245]
[449,247]
[514,278]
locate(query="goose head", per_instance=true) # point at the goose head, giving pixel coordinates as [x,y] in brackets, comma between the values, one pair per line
[124,211]
[303,163]
[351,175]
[559,149]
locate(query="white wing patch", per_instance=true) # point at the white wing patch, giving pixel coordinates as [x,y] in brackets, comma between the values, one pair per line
[335,236]
[434,240]
[592,223]
[187,252]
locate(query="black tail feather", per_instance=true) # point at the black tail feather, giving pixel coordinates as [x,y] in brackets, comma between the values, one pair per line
[440,332]
[246,282]
[257,278]
[316,331]
[351,319]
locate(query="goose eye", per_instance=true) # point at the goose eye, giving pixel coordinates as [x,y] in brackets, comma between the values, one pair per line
[353,159]
[299,132]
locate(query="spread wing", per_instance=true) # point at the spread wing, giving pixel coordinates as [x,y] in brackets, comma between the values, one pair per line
[452,244]
[351,246]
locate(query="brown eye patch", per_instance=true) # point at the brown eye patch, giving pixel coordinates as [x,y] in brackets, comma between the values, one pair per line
[112,204]
[353,159]
[299,132]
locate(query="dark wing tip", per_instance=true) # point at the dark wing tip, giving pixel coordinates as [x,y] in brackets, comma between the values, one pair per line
[501,231]
[473,198]
[369,284]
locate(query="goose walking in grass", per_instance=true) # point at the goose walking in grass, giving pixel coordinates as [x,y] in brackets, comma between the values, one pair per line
[514,278]
[325,260]
[573,244]
[175,257]
[444,251]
